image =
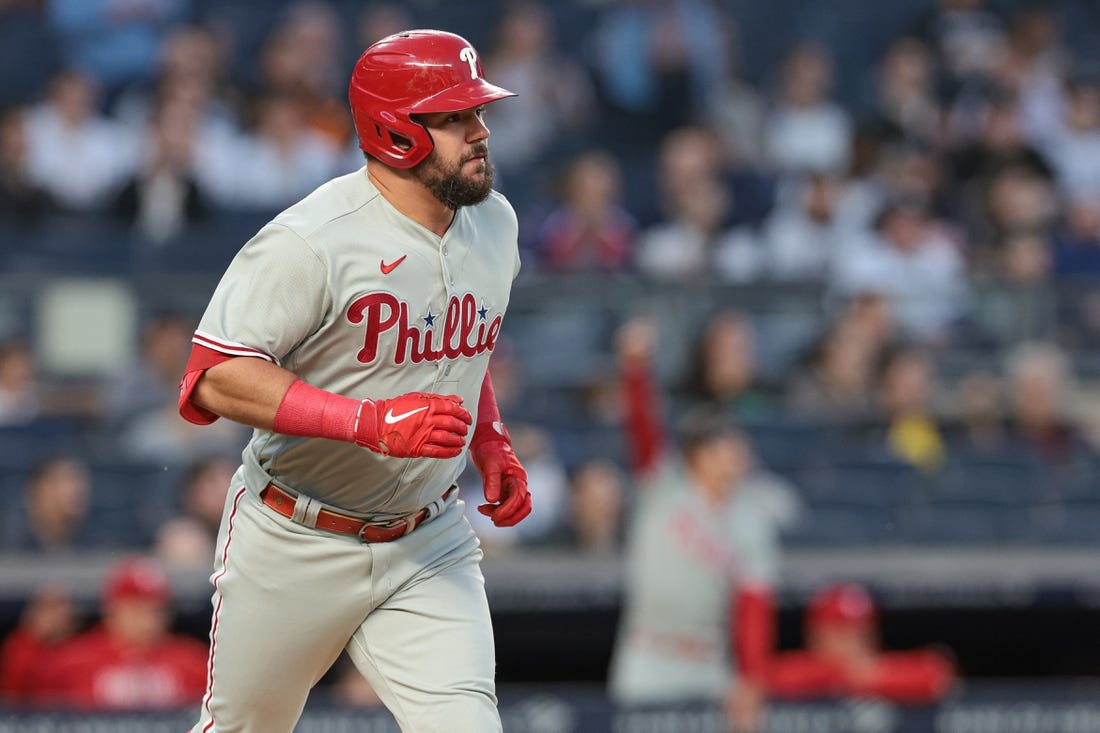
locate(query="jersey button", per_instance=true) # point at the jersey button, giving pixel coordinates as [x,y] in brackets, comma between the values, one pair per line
[445,250]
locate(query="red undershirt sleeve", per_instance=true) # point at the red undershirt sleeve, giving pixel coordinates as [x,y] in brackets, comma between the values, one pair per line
[753,632]
[487,409]
[201,359]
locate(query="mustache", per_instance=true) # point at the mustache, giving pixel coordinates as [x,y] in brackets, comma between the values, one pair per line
[481,150]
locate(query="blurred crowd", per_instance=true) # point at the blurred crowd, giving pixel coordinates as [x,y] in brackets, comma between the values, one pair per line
[939,200]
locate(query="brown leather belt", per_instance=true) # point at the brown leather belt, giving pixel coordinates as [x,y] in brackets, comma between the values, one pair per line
[284,503]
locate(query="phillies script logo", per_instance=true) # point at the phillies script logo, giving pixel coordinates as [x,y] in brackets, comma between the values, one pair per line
[466,328]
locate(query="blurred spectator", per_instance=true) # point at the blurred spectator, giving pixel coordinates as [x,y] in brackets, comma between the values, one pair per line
[702,549]
[75,154]
[1074,151]
[164,197]
[22,200]
[48,620]
[892,169]
[687,155]
[187,539]
[150,380]
[280,160]
[56,503]
[1035,67]
[141,413]
[870,314]
[737,109]
[914,260]
[694,239]
[594,523]
[193,73]
[804,131]
[1001,144]
[1077,242]
[129,662]
[658,61]
[843,657]
[590,230]
[1013,303]
[805,234]
[969,41]
[303,60]
[19,402]
[694,243]
[905,392]
[904,102]
[1017,201]
[835,382]
[980,429]
[1042,389]
[114,40]
[723,370]
[555,100]
[1000,163]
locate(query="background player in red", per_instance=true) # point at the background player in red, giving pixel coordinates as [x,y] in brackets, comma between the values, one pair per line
[843,657]
[702,556]
[130,661]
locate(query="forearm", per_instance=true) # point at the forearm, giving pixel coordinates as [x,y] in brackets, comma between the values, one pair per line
[244,390]
[644,433]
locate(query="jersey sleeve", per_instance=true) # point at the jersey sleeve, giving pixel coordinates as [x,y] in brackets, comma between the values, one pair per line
[272,296]
[757,544]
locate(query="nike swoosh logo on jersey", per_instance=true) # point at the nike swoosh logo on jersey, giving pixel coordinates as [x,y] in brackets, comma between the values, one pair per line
[391,419]
[387,269]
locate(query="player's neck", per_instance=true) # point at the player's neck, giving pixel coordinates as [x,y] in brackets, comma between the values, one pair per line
[411,198]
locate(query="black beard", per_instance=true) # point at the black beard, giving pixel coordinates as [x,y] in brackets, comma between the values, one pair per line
[450,186]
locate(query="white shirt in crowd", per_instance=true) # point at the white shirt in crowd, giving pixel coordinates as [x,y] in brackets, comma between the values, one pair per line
[676,251]
[927,286]
[81,167]
[813,139]
[249,172]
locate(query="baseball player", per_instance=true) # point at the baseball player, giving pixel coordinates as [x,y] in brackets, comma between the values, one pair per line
[353,332]
[701,557]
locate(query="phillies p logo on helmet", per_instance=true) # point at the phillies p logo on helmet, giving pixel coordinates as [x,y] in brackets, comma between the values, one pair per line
[469,56]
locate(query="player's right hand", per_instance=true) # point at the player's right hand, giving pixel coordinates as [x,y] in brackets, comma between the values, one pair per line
[414,425]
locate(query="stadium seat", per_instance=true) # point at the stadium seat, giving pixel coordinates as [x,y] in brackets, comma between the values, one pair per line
[956,522]
[840,525]
[1006,480]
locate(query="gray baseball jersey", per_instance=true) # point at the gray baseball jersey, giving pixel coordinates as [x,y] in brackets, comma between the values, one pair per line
[684,558]
[356,298]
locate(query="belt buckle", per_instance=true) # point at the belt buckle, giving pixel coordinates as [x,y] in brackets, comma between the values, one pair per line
[402,526]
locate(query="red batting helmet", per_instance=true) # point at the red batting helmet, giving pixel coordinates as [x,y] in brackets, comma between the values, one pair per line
[137,578]
[408,73]
[843,604]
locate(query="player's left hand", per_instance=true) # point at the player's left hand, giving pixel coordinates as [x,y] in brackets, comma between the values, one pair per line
[505,481]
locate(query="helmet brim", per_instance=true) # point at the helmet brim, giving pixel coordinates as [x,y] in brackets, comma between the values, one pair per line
[468,95]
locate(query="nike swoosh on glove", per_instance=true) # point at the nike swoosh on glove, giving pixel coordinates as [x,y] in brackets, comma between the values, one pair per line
[414,425]
[505,481]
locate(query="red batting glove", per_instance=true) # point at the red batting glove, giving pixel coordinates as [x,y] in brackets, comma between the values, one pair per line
[413,425]
[504,478]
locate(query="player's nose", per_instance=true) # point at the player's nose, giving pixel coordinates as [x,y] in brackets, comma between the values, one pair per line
[478,130]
